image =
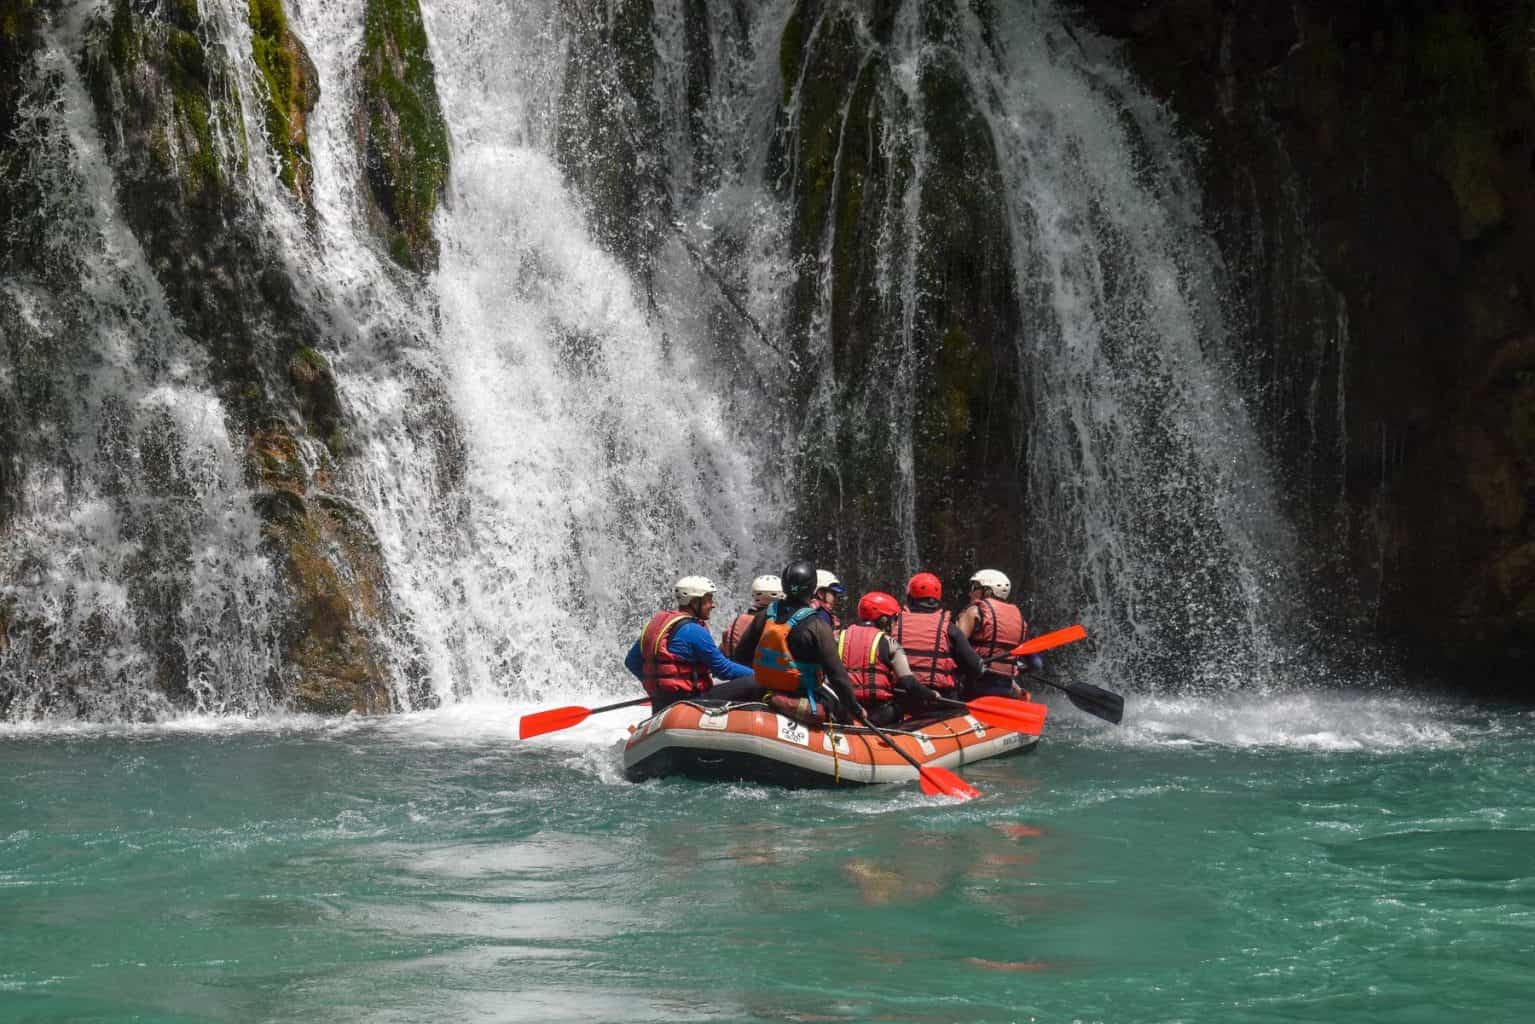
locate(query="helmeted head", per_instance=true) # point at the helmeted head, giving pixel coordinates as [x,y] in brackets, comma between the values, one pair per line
[696,595]
[798,579]
[766,590]
[924,586]
[828,588]
[878,607]
[991,583]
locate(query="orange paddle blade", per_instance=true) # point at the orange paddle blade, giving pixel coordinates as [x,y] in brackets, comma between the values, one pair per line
[553,720]
[938,781]
[1071,634]
[1005,713]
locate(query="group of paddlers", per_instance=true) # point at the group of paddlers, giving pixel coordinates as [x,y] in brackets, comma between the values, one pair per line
[792,651]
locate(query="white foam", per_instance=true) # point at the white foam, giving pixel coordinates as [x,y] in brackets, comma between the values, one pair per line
[1340,721]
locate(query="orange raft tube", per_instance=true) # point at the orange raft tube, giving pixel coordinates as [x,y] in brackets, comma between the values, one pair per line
[752,742]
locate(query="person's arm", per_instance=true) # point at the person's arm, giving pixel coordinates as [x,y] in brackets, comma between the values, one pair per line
[964,655]
[693,642]
[891,654]
[634,661]
[831,662]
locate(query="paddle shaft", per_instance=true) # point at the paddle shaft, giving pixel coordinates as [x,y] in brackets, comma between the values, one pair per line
[948,789]
[622,704]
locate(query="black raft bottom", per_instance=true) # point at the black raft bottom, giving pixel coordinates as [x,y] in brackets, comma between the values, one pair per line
[735,766]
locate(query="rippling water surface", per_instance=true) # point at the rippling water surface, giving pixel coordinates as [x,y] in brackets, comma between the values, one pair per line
[1320,858]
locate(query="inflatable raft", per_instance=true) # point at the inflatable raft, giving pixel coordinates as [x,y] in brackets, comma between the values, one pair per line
[753,742]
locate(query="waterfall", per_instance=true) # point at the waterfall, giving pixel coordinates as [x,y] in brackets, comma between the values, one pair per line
[1151,497]
[132,561]
[600,460]
[548,428]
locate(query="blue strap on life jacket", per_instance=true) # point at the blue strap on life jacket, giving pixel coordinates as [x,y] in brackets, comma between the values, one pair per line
[809,671]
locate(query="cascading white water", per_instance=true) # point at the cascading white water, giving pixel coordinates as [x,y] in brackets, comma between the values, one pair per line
[541,445]
[134,561]
[1151,498]
[598,461]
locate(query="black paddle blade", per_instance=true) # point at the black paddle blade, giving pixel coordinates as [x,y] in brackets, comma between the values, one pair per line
[1095,700]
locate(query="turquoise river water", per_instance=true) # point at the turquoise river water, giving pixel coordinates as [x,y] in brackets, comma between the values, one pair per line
[1350,857]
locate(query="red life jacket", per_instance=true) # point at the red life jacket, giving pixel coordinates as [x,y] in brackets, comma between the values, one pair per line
[873,682]
[924,636]
[661,671]
[735,632]
[999,628]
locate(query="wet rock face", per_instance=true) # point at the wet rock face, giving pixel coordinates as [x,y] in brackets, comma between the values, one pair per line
[1395,144]
[170,136]
[292,89]
[18,40]
[401,131]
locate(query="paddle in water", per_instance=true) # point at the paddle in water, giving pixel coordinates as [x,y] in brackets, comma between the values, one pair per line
[1095,700]
[556,719]
[935,781]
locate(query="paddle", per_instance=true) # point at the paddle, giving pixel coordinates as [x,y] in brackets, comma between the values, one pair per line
[935,781]
[556,719]
[1045,641]
[1095,700]
[1005,713]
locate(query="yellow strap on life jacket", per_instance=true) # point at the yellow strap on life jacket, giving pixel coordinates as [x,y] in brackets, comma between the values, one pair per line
[665,631]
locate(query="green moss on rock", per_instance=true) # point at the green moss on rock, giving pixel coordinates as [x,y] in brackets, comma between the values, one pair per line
[403,135]
[292,90]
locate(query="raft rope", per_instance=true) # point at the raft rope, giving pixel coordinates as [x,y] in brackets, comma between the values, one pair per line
[836,765]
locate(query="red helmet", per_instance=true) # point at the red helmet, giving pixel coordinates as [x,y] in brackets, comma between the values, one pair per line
[877,604]
[924,584]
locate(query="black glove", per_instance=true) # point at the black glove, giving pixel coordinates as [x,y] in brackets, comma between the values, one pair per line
[915,692]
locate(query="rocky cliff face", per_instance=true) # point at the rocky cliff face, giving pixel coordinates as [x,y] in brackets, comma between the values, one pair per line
[178,160]
[1366,170]
[1371,165]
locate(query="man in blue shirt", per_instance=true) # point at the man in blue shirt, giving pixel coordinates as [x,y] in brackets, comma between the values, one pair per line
[675,657]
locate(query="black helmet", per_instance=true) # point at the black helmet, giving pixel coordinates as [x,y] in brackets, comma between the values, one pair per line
[798,581]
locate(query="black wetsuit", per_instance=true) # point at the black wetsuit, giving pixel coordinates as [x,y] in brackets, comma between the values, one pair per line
[812,640]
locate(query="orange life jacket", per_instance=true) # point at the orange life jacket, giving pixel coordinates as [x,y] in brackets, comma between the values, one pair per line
[661,671]
[999,628]
[735,632]
[924,636]
[873,681]
[773,665]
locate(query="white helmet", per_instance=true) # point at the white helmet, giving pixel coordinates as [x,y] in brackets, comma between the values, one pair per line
[766,589]
[999,584]
[690,588]
[825,580]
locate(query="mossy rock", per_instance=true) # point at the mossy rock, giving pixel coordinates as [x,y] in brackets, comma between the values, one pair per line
[277,461]
[402,134]
[292,90]
[319,398]
[339,598]
[608,137]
